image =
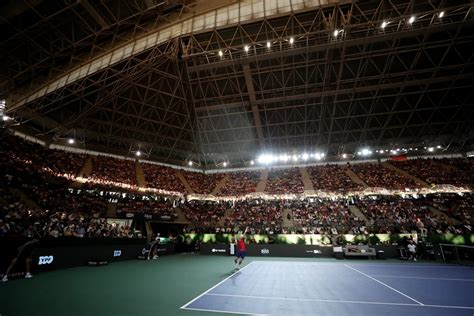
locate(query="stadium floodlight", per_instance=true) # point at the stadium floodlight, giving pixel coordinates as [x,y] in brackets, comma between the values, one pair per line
[71,141]
[295,158]
[138,153]
[269,44]
[265,159]
[252,162]
[305,156]
[224,164]
[412,19]
[344,156]
[441,14]
[366,152]
[292,40]
[5,118]
[221,53]
[439,146]
[430,149]
[336,33]
[384,24]
[246,48]
[190,163]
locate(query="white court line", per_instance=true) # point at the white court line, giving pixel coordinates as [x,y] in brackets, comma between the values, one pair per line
[411,298]
[339,301]
[423,278]
[221,311]
[204,293]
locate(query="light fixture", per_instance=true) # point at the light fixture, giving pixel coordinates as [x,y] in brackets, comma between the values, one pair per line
[441,14]
[224,164]
[5,118]
[138,153]
[344,156]
[292,40]
[190,163]
[365,152]
[336,32]
[252,162]
[221,53]
[246,48]
[412,19]
[70,141]
[384,24]
[430,149]
[269,44]
[295,158]
[439,146]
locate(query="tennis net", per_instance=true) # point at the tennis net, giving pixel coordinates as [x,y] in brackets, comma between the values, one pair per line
[459,254]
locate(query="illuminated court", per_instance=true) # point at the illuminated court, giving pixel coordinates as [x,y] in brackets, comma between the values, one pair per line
[309,288]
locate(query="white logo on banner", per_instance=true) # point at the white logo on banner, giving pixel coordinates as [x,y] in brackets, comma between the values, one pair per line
[45,260]
[117,253]
[313,251]
[265,251]
[218,250]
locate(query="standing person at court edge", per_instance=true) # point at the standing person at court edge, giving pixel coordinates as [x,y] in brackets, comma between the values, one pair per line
[412,250]
[240,255]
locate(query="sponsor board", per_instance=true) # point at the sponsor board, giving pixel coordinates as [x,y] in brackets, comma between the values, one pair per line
[45,260]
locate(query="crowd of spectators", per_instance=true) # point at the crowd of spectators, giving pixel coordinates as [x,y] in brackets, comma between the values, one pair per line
[108,169]
[146,204]
[332,178]
[203,215]
[284,181]
[434,172]
[378,175]
[262,217]
[325,217]
[459,207]
[240,183]
[161,177]
[202,183]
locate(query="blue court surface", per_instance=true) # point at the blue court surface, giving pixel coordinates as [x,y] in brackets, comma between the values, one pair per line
[350,288]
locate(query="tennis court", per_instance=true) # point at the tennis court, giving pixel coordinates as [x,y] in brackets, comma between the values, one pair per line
[352,288]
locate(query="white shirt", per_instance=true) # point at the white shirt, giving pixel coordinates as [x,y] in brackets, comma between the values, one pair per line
[412,247]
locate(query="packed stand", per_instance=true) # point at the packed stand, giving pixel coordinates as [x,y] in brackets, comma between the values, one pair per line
[202,183]
[203,215]
[262,217]
[325,217]
[432,172]
[161,177]
[332,178]
[459,207]
[107,169]
[146,204]
[377,175]
[284,181]
[240,183]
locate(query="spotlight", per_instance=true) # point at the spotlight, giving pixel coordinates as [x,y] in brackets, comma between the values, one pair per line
[252,162]
[305,156]
[70,141]
[365,152]
[336,32]
[190,163]
[138,153]
[269,44]
[292,40]
[224,164]
[411,20]
[5,118]
[221,53]
[344,156]
[439,146]
[384,24]
[441,14]
[246,48]
[295,158]
[430,149]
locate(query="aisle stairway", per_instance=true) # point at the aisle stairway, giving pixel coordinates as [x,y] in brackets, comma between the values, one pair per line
[221,221]
[287,222]
[140,175]
[450,220]
[181,217]
[263,181]
[308,185]
[86,169]
[355,178]
[111,211]
[184,182]
[355,210]
[406,174]
[220,184]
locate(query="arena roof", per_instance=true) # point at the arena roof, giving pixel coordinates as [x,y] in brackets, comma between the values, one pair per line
[215,81]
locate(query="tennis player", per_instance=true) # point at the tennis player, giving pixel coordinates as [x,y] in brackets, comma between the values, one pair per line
[240,255]
[25,253]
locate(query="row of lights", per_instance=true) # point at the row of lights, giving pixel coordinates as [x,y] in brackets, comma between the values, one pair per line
[336,33]
[267,159]
[368,152]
